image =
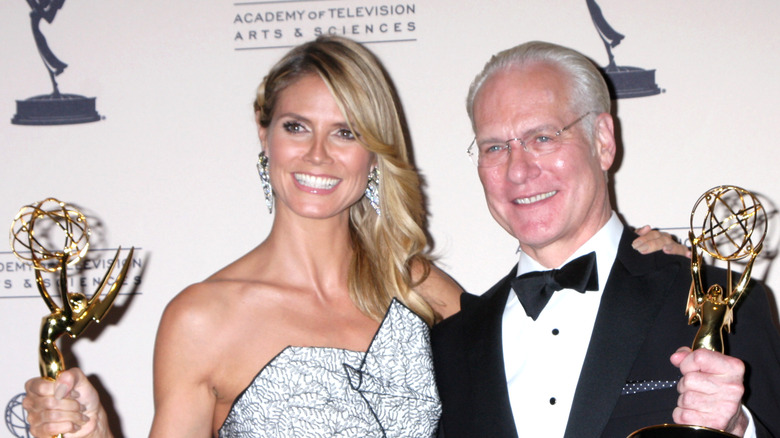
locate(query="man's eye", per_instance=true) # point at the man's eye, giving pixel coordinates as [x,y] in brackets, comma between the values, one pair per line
[492,148]
[292,127]
[545,138]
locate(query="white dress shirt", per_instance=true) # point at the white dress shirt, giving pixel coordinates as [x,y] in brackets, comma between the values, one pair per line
[543,358]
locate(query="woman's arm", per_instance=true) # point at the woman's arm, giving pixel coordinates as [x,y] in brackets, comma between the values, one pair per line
[184,399]
[441,292]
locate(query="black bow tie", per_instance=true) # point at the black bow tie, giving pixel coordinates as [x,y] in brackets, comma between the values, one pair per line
[534,289]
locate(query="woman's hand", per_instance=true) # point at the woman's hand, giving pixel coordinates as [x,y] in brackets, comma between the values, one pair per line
[70,405]
[651,240]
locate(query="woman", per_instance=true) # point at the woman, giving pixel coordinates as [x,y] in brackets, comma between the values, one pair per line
[322,281]
[322,330]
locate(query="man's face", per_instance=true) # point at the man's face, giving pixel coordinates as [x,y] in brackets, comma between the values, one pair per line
[551,203]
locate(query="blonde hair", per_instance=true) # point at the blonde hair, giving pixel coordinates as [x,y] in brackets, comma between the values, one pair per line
[388,247]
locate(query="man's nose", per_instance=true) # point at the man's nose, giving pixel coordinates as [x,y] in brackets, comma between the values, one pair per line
[521,164]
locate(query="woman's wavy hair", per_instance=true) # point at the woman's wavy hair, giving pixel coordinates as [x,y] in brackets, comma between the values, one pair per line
[389,247]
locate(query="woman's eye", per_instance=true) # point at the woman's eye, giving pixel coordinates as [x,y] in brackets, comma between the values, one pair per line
[292,127]
[345,134]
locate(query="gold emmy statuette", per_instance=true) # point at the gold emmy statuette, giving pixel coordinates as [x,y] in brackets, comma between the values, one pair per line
[733,225]
[33,231]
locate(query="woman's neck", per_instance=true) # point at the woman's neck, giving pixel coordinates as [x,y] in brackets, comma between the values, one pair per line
[318,251]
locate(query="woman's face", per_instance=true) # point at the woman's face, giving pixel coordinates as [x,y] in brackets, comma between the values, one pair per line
[318,168]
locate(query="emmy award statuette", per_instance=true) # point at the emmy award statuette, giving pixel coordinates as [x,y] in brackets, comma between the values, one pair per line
[733,225]
[623,81]
[55,108]
[33,230]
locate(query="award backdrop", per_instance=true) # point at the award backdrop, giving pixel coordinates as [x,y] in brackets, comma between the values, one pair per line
[139,113]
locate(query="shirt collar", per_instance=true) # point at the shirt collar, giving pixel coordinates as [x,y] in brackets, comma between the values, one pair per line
[604,243]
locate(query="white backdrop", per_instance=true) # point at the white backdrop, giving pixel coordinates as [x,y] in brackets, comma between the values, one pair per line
[170,168]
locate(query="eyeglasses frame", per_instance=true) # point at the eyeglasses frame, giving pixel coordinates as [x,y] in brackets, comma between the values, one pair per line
[471,153]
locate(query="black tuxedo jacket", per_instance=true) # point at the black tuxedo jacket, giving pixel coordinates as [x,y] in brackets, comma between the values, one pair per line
[641,321]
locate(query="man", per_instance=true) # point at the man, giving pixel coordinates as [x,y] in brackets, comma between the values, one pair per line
[607,361]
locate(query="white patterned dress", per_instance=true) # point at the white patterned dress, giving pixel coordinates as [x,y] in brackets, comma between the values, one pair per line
[388,391]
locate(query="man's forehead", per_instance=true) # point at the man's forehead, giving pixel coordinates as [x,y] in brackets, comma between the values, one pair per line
[524,80]
[531,96]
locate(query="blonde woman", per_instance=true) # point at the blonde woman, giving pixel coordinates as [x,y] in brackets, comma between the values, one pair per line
[322,329]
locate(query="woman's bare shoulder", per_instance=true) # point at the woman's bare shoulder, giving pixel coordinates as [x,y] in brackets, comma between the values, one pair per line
[212,320]
[204,353]
[219,301]
[199,309]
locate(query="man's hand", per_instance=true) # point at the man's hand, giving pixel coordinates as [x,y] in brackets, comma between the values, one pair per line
[710,390]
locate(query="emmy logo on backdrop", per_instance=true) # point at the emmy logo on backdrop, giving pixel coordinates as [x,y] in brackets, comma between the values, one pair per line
[55,108]
[624,81]
[732,224]
[33,232]
[16,417]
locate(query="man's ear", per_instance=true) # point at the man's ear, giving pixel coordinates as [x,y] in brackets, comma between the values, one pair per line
[606,146]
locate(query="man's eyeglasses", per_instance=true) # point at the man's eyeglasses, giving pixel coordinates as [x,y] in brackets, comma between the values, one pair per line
[537,143]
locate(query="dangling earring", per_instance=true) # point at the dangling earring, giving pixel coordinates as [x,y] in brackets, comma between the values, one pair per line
[265,180]
[372,191]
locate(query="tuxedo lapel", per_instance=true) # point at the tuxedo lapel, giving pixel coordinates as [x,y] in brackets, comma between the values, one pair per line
[486,360]
[632,297]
